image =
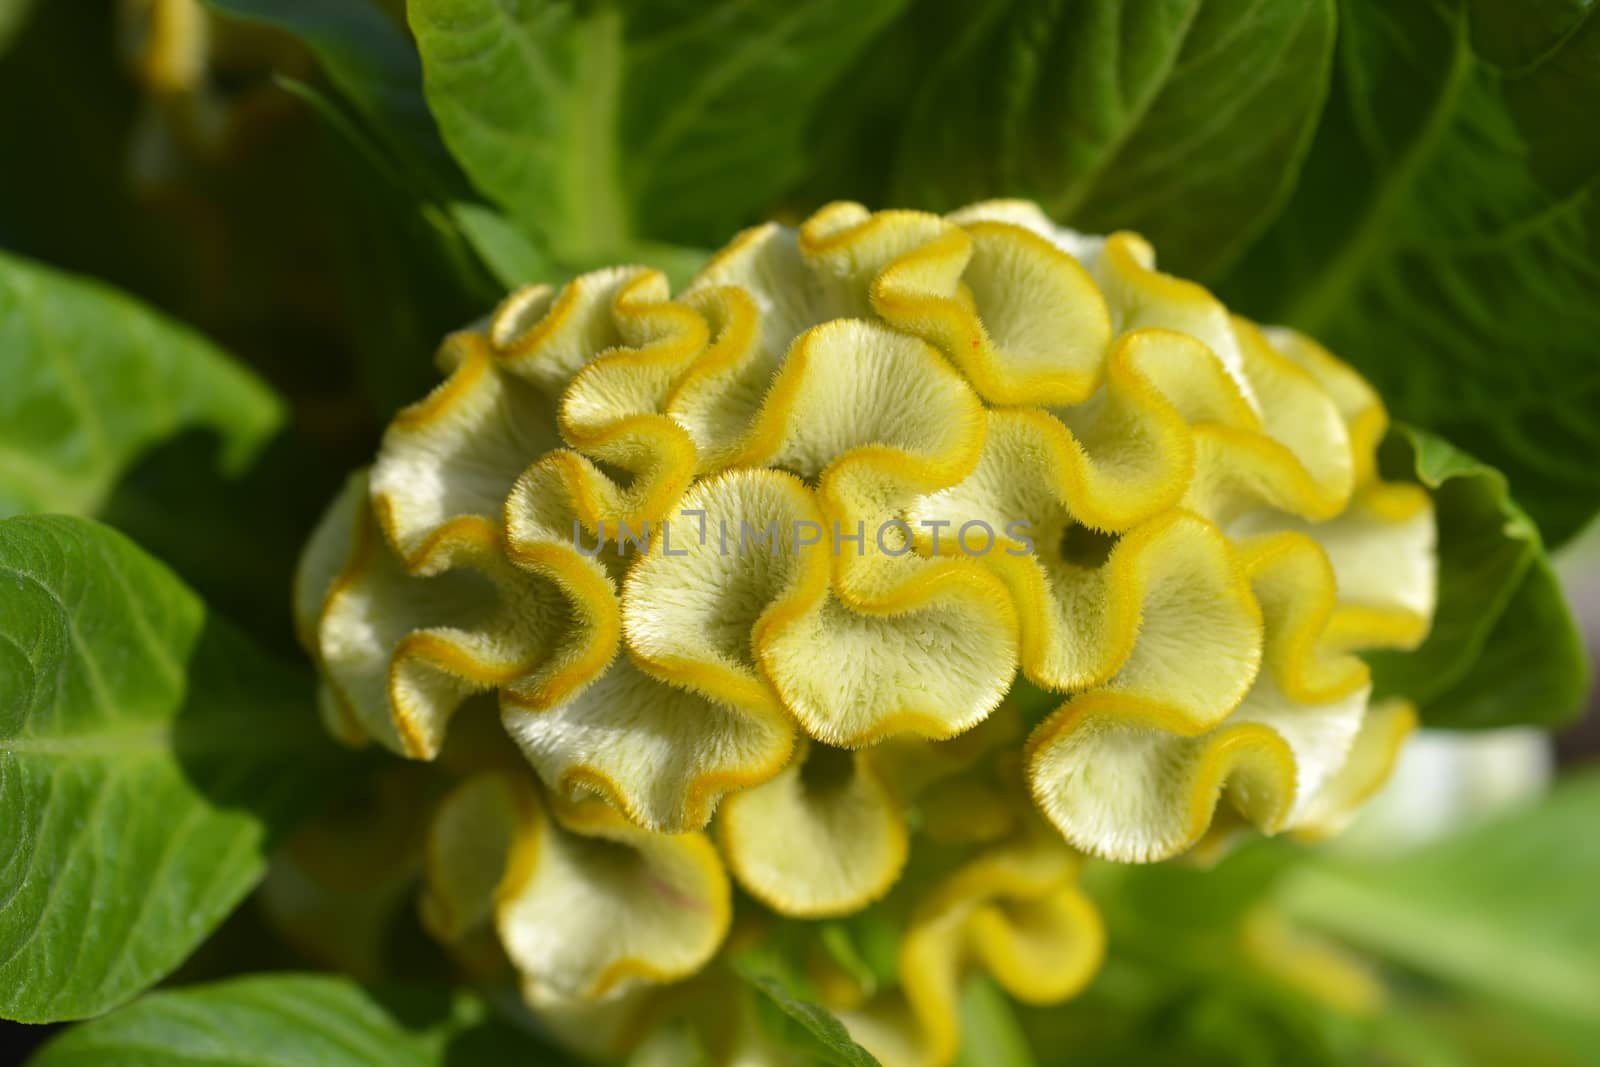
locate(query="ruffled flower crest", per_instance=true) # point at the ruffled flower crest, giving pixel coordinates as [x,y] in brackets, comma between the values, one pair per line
[774,550]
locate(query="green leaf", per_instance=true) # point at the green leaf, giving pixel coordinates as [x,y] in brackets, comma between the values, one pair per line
[412,270]
[369,57]
[990,1033]
[838,942]
[345,126]
[271,1020]
[1550,53]
[798,1023]
[514,260]
[1152,1010]
[670,1044]
[92,378]
[1160,905]
[717,98]
[511,257]
[1465,1030]
[1504,648]
[1505,908]
[1183,119]
[13,13]
[1445,236]
[375,65]
[148,757]
[594,126]
[1181,983]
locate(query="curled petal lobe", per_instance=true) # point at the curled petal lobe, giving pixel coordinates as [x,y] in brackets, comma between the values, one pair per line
[1358,403]
[1275,754]
[1319,736]
[1299,415]
[858,396]
[719,579]
[661,755]
[333,547]
[934,670]
[844,240]
[1109,464]
[1197,647]
[543,536]
[333,544]
[718,398]
[1085,248]
[465,855]
[1299,461]
[1013,912]
[1132,783]
[591,904]
[448,461]
[1294,584]
[401,652]
[1373,752]
[768,265]
[1383,551]
[1139,295]
[587,906]
[1020,317]
[825,837]
[545,337]
[612,409]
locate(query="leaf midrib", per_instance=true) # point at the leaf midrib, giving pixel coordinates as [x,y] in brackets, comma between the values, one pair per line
[1063,205]
[134,740]
[735,62]
[593,164]
[231,735]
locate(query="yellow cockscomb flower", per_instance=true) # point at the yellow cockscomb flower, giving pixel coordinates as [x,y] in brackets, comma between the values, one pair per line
[770,554]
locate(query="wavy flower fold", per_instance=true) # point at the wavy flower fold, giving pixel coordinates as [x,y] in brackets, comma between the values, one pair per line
[773,552]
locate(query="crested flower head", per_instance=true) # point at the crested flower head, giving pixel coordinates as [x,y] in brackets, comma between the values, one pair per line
[752,570]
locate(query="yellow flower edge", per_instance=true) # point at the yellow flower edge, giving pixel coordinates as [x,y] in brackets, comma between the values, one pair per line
[1011,448]
[1014,912]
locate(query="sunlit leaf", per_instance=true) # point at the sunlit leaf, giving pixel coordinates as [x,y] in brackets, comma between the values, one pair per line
[990,1034]
[92,378]
[1504,648]
[1183,119]
[596,125]
[795,1021]
[148,757]
[271,1020]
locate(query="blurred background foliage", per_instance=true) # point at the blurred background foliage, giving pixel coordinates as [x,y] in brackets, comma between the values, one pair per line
[319,190]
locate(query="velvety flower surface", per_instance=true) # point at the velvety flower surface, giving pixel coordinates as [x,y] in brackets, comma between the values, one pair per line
[752,569]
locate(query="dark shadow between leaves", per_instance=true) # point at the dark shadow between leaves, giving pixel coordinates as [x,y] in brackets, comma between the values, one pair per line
[235,540]
[248,736]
